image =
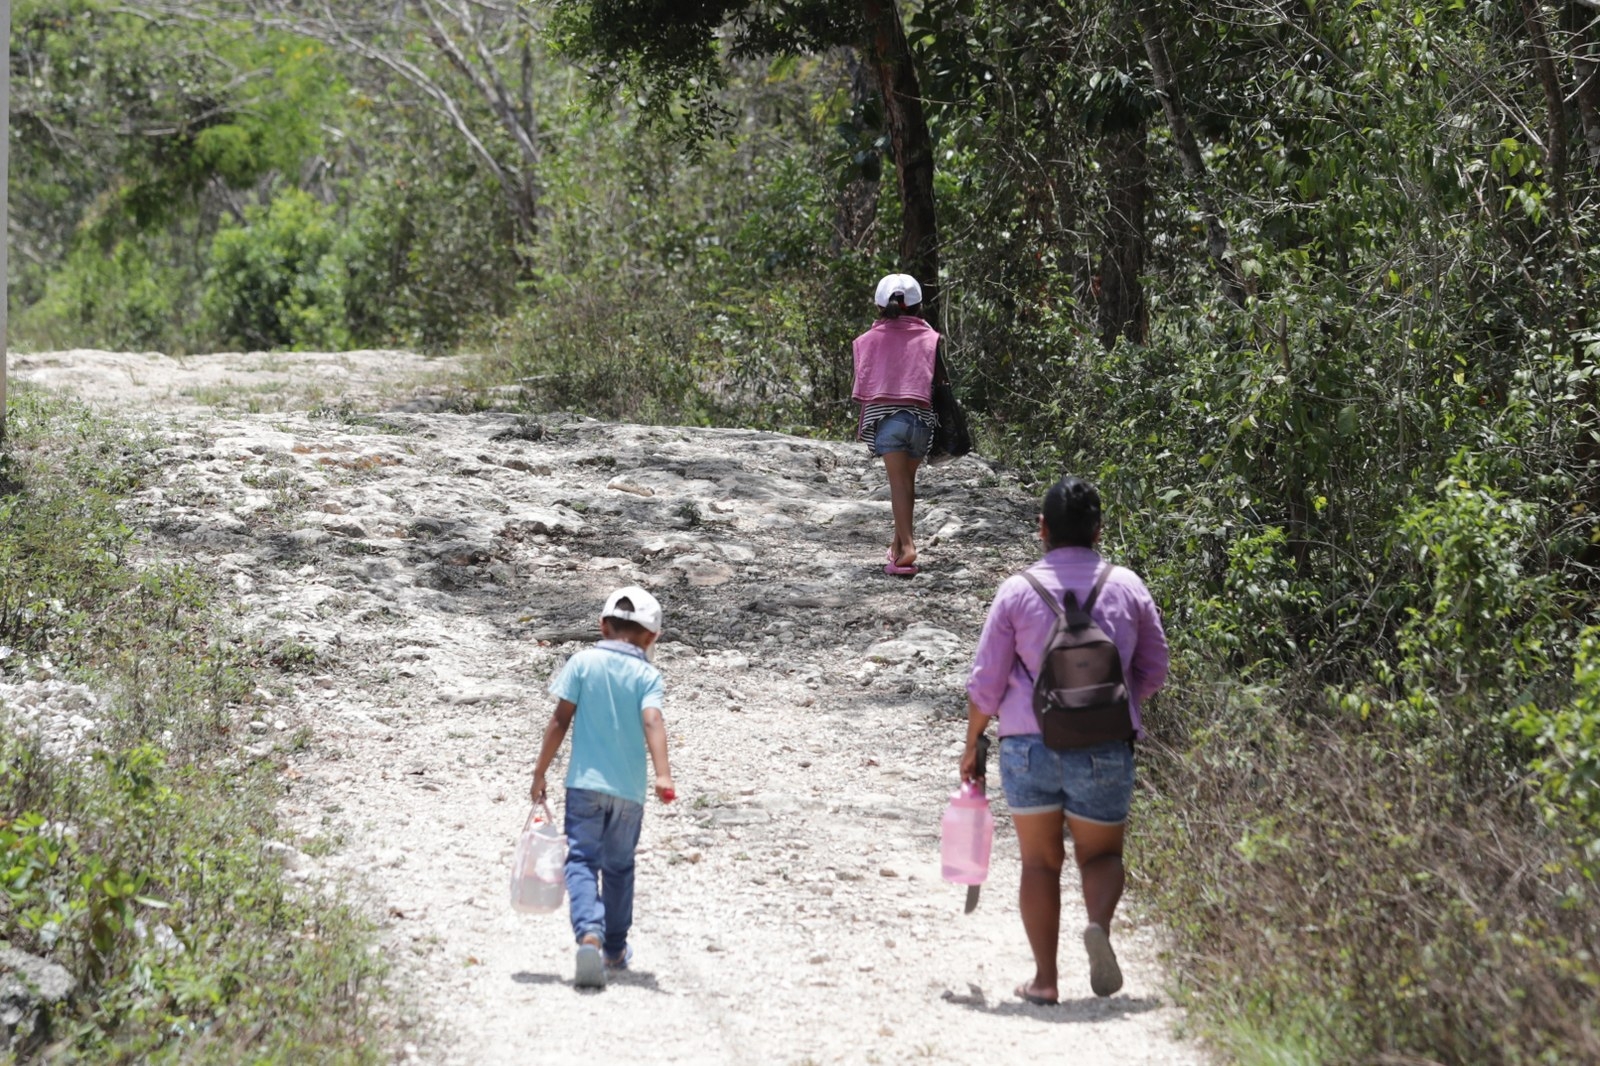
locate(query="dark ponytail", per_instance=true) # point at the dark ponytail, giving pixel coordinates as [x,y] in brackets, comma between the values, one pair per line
[897,307]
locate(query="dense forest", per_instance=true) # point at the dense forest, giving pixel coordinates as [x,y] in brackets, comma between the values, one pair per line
[1308,288]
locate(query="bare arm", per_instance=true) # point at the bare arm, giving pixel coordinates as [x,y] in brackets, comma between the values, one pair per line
[977,722]
[554,733]
[655,738]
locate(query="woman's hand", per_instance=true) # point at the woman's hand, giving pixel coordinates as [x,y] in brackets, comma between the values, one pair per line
[969,761]
[977,723]
[538,792]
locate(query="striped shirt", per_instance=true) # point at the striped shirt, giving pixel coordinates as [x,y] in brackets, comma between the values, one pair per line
[874,413]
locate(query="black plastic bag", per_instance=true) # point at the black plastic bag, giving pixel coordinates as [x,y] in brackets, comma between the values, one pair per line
[951,437]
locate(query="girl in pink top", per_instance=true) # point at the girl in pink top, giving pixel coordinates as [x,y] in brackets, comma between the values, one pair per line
[894,362]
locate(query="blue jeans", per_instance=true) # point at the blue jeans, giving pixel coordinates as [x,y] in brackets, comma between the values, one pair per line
[602,833]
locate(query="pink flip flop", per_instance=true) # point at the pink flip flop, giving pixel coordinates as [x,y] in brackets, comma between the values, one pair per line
[896,570]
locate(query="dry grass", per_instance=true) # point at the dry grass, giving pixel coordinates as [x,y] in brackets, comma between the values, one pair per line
[1334,893]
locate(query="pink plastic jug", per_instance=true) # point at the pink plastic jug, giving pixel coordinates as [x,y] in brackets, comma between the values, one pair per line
[966,836]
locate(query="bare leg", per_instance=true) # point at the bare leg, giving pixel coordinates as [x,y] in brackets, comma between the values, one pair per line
[1098,851]
[1043,854]
[902,471]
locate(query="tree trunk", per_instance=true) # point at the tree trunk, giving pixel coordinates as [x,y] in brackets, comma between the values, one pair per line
[1586,64]
[1194,166]
[1122,305]
[890,55]
[857,207]
[1555,149]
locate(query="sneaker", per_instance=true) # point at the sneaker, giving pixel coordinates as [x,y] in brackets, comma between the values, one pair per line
[1105,976]
[620,962]
[591,971]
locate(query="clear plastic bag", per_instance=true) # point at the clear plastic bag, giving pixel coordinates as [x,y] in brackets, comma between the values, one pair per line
[538,872]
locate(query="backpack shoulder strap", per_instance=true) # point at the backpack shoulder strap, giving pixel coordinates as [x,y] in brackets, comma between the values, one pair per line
[1044,594]
[1099,583]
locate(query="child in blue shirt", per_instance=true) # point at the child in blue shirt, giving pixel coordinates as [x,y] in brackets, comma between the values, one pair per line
[610,696]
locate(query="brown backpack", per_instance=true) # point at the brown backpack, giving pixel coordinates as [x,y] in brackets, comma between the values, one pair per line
[1079,697]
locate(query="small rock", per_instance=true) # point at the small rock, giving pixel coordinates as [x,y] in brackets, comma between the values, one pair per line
[258,726]
[731,816]
[286,855]
[308,538]
[28,983]
[621,483]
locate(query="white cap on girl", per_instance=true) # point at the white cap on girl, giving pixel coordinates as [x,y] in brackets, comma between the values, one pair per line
[902,285]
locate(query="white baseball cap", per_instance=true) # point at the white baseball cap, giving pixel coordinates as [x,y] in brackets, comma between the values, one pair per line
[904,284]
[642,608]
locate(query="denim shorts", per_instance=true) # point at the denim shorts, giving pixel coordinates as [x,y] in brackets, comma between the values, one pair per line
[902,432]
[1094,784]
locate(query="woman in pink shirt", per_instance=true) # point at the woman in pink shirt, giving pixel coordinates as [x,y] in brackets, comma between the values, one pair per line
[894,363]
[1086,790]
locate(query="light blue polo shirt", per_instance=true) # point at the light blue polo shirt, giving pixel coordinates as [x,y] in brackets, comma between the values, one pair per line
[611,684]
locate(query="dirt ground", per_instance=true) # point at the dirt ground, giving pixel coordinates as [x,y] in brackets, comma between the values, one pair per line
[422,575]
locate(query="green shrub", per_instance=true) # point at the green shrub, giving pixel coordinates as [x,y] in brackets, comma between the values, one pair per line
[1567,740]
[129,297]
[276,281]
[136,862]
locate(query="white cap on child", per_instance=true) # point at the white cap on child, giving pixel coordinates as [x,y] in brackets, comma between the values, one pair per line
[903,285]
[642,607]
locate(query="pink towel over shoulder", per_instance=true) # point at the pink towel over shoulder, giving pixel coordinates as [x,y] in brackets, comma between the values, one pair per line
[894,362]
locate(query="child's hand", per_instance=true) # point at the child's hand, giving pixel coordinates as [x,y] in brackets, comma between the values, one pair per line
[537,792]
[664,790]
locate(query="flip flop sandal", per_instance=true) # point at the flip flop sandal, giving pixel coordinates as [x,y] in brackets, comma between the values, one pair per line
[894,569]
[1023,992]
[1105,976]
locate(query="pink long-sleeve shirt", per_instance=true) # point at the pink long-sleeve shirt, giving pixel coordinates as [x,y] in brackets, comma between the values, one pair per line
[1011,646]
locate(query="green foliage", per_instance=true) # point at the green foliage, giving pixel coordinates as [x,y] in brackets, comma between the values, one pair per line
[136,861]
[1365,493]
[1263,603]
[697,298]
[1567,740]
[667,57]
[277,282]
[128,298]
[1478,635]
[131,130]
[425,254]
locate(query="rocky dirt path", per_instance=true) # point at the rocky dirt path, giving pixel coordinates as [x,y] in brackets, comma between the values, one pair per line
[419,575]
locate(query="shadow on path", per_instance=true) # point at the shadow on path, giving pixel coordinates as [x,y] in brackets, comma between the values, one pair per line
[627,979]
[1087,1009]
